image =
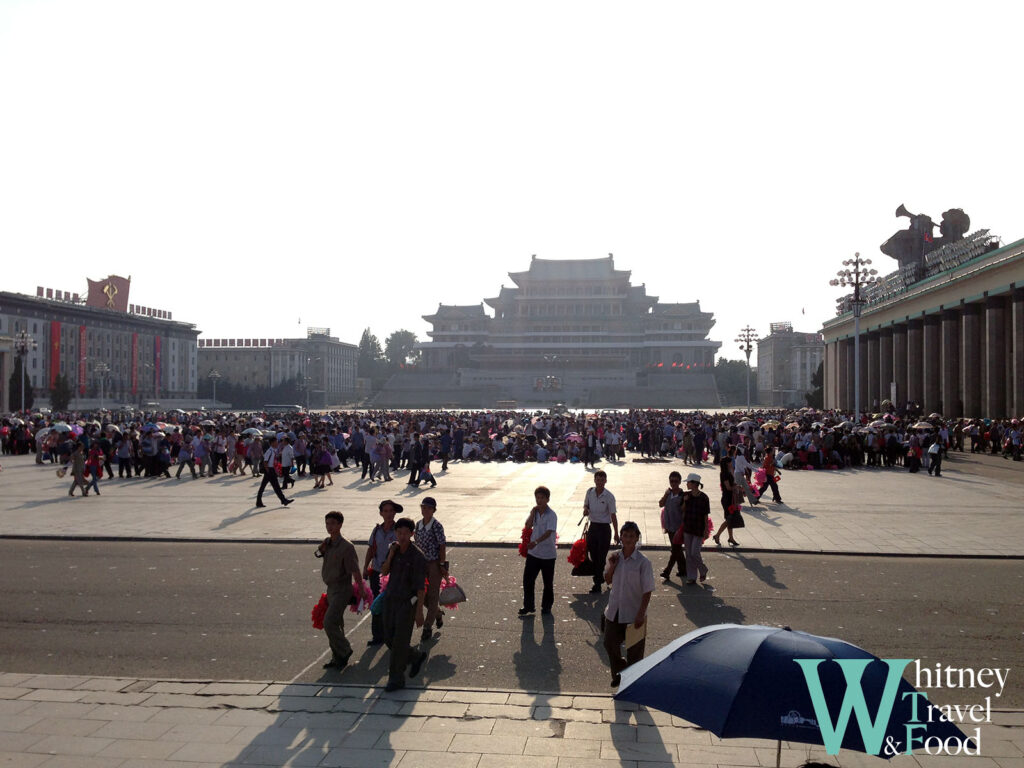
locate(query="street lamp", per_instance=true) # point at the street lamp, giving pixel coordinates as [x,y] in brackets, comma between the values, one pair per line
[102,369]
[213,376]
[307,379]
[23,344]
[746,341]
[857,278]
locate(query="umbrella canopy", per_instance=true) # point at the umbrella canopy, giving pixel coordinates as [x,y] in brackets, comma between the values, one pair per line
[17,422]
[878,424]
[744,682]
[252,431]
[793,425]
[845,424]
[934,415]
[207,423]
[60,426]
[923,425]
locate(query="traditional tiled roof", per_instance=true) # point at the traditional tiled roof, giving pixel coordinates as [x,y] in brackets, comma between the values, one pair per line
[458,312]
[683,309]
[570,269]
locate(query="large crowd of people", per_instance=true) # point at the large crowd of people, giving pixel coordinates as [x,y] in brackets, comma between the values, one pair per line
[285,446]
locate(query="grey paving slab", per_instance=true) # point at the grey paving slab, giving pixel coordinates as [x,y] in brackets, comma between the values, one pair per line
[864,510]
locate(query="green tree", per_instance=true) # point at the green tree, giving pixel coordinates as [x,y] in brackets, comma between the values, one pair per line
[816,397]
[61,394]
[19,381]
[731,377]
[400,349]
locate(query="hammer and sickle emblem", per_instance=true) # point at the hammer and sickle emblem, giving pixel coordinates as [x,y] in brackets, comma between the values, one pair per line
[111,291]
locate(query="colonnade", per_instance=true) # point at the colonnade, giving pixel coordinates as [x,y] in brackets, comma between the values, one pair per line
[962,361]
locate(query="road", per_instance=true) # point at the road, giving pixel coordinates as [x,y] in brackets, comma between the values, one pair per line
[241,612]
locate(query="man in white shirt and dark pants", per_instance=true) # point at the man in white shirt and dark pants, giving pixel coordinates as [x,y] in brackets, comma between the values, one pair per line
[542,554]
[270,476]
[632,581]
[599,508]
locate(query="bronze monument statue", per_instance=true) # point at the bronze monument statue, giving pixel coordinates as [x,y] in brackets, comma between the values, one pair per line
[909,246]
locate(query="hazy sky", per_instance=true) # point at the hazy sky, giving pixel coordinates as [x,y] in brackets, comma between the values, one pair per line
[251,164]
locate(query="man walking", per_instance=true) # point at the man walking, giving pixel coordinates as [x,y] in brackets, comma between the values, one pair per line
[632,581]
[270,476]
[431,541]
[381,538]
[542,553]
[340,566]
[599,507]
[406,569]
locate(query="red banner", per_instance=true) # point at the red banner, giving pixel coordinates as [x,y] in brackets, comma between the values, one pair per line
[135,363]
[156,366]
[54,352]
[81,360]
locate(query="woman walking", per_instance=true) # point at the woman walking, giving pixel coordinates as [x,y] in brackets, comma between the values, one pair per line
[730,497]
[696,508]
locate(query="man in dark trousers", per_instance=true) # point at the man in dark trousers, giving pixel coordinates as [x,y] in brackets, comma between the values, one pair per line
[599,508]
[340,566]
[415,459]
[270,476]
[406,569]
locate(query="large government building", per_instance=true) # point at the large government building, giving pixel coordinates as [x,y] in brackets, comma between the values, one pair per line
[946,333]
[103,345]
[572,331]
[324,366]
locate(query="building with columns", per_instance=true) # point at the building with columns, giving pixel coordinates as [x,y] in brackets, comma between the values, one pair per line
[951,341]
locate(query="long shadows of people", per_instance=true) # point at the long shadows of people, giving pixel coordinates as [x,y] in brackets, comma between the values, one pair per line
[536,663]
[763,571]
[704,608]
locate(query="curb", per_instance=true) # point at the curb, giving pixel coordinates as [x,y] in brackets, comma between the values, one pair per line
[504,545]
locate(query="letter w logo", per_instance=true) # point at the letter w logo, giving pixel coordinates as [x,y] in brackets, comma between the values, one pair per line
[871,731]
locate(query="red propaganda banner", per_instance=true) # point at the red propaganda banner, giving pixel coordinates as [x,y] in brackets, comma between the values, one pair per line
[81,359]
[54,352]
[135,363]
[156,366]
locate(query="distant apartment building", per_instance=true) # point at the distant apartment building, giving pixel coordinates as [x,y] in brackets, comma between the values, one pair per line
[786,361]
[323,366]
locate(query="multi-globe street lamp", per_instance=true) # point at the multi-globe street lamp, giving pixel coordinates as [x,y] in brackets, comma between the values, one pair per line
[213,376]
[101,369]
[24,343]
[858,278]
[746,341]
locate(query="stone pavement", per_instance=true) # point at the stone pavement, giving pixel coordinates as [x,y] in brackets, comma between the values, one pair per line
[878,511]
[49,721]
[55,721]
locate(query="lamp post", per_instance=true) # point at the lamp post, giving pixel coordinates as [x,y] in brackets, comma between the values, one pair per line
[102,369]
[858,278]
[746,341]
[213,376]
[23,344]
[308,379]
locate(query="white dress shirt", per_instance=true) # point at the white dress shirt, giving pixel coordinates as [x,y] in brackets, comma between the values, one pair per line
[601,507]
[633,578]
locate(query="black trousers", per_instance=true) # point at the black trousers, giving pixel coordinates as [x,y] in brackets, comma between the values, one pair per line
[414,470]
[935,465]
[270,476]
[599,541]
[546,568]
[677,558]
[218,460]
[367,465]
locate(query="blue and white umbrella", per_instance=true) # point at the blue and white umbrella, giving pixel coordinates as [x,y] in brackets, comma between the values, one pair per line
[744,682]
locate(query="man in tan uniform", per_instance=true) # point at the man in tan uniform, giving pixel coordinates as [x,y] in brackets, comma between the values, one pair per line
[340,566]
